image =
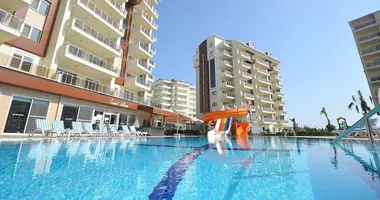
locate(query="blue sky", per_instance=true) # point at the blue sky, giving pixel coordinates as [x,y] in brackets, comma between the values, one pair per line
[320,65]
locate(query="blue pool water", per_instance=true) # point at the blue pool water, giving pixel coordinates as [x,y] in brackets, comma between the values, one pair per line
[188,168]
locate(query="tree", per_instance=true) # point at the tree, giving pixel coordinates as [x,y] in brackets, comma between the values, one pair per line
[361,105]
[329,127]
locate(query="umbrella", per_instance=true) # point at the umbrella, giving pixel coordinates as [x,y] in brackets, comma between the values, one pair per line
[136,123]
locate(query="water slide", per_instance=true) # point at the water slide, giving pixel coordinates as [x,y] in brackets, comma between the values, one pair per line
[360,121]
[223,114]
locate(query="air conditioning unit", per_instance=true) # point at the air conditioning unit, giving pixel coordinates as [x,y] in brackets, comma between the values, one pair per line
[268,53]
[251,44]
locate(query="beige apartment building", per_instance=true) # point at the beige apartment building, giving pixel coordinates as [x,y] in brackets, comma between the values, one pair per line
[366,31]
[231,74]
[176,96]
[77,60]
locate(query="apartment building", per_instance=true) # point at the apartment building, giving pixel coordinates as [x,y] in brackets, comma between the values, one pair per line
[366,31]
[231,74]
[176,96]
[76,60]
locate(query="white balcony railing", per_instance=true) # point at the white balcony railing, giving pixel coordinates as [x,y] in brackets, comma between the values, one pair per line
[118,6]
[10,20]
[372,49]
[374,63]
[149,19]
[139,80]
[268,109]
[228,44]
[65,78]
[267,99]
[228,73]
[228,94]
[148,49]
[148,33]
[94,34]
[144,64]
[263,80]
[227,62]
[228,106]
[265,89]
[101,14]
[262,63]
[226,52]
[88,57]
[248,95]
[263,71]
[365,24]
[248,85]
[245,74]
[151,6]
[270,120]
[370,36]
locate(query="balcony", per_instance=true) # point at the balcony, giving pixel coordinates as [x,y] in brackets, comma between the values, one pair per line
[228,95]
[95,17]
[269,121]
[228,106]
[143,18]
[183,99]
[141,33]
[373,65]
[265,90]
[247,85]
[14,4]
[226,74]
[86,63]
[139,66]
[246,75]
[228,84]
[181,93]
[141,50]
[137,83]
[92,39]
[112,6]
[263,80]
[151,63]
[278,85]
[262,63]
[279,94]
[245,55]
[371,37]
[276,76]
[249,96]
[365,25]
[371,51]
[263,71]
[149,7]
[163,92]
[266,100]
[182,105]
[166,98]
[281,112]
[268,110]
[226,64]
[226,45]
[225,54]
[245,66]
[10,26]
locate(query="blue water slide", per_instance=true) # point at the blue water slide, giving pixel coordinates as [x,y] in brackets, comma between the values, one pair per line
[360,121]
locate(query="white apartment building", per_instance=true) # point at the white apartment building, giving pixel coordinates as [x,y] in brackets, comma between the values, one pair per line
[231,74]
[366,31]
[176,96]
[88,60]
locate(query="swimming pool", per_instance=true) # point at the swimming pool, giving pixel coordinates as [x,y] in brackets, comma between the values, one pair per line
[188,168]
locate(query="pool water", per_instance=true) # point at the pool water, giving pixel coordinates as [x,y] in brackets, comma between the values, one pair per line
[188,168]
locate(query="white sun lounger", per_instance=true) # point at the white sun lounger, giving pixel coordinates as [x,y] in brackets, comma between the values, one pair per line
[134,131]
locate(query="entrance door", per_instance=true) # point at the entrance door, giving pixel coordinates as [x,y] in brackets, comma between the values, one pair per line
[69,115]
[18,115]
[111,119]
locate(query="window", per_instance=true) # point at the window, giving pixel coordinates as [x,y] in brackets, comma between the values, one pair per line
[32,33]
[211,44]
[67,77]
[91,84]
[211,53]
[212,73]
[40,6]
[85,114]
[38,110]
[21,62]
[131,120]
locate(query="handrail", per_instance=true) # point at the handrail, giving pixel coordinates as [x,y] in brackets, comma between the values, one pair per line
[360,121]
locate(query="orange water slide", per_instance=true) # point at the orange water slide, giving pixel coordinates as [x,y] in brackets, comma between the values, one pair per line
[212,116]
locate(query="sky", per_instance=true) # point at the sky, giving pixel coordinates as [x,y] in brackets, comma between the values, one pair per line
[320,64]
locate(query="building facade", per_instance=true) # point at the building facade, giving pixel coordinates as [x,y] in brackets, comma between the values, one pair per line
[366,31]
[176,96]
[231,74]
[76,60]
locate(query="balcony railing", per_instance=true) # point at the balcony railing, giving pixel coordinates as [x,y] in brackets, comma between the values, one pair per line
[264,80]
[10,20]
[269,120]
[374,63]
[264,71]
[246,74]
[144,64]
[265,89]
[226,52]
[151,62]
[65,78]
[229,83]
[138,79]
[228,106]
[88,57]
[228,94]
[365,24]
[148,33]
[150,5]
[146,47]
[101,14]
[229,44]
[230,73]
[118,5]
[375,48]
[149,19]
[262,63]
[377,78]
[227,62]
[267,99]
[249,95]
[94,34]
[249,85]
[370,36]
[279,93]
[268,109]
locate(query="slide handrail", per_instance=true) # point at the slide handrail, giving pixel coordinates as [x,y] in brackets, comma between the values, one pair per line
[360,121]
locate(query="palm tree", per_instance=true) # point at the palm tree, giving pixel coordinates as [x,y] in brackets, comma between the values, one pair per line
[324,112]
[361,105]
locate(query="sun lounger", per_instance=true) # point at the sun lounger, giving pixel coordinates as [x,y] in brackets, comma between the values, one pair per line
[113,131]
[125,130]
[103,131]
[42,125]
[77,128]
[59,128]
[134,131]
[87,127]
